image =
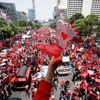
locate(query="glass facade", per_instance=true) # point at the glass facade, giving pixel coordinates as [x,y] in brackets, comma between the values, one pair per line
[10,10]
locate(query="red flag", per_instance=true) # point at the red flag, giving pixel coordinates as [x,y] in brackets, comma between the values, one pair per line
[51,50]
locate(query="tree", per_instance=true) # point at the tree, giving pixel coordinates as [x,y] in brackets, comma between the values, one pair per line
[53,24]
[81,26]
[4,28]
[75,17]
[36,25]
[91,22]
[98,26]
[22,23]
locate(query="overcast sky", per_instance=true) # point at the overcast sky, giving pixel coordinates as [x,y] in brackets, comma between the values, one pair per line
[44,8]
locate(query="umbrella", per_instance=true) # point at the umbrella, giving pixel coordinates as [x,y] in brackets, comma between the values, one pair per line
[40,74]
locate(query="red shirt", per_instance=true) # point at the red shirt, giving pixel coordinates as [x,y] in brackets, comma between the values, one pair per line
[89,89]
[44,91]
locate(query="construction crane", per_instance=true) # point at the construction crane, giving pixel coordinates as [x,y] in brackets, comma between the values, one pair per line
[33,4]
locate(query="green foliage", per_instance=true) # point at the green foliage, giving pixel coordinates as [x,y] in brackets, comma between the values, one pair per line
[10,29]
[2,22]
[75,17]
[81,26]
[53,24]
[88,25]
[92,22]
[36,25]
[19,26]
[85,25]
[98,26]
[91,19]
[22,23]
[4,26]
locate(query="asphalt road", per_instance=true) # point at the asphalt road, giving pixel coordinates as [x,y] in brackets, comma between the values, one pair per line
[67,77]
[23,95]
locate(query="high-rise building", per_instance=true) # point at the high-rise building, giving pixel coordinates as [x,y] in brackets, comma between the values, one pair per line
[33,9]
[59,11]
[91,7]
[74,6]
[85,7]
[10,10]
[31,14]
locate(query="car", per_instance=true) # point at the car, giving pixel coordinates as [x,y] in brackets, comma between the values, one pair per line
[65,67]
[14,98]
[63,70]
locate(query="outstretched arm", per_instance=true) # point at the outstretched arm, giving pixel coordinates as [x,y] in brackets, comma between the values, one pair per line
[44,90]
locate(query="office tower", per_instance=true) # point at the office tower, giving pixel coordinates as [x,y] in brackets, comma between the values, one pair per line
[10,10]
[86,7]
[59,11]
[74,6]
[31,15]
[31,12]
[91,7]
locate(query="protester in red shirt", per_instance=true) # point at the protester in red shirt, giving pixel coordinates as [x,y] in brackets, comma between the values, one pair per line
[44,90]
[62,83]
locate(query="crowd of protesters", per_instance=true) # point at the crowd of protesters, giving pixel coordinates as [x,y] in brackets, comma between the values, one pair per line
[22,52]
[86,63]
[84,56]
[86,75]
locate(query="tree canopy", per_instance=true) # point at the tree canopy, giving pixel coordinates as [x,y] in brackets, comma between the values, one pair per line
[81,26]
[75,17]
[53,24]
[88,25]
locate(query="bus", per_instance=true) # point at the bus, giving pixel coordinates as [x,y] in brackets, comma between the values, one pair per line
[23,78]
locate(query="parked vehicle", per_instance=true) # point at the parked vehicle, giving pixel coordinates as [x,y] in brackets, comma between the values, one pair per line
[64,68]
[23,77]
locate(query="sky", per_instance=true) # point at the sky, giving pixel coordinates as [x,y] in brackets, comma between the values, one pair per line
[44,8]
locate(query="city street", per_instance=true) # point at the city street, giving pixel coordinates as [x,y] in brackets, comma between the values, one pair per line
[66,77]
[22,95]
[45,43]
